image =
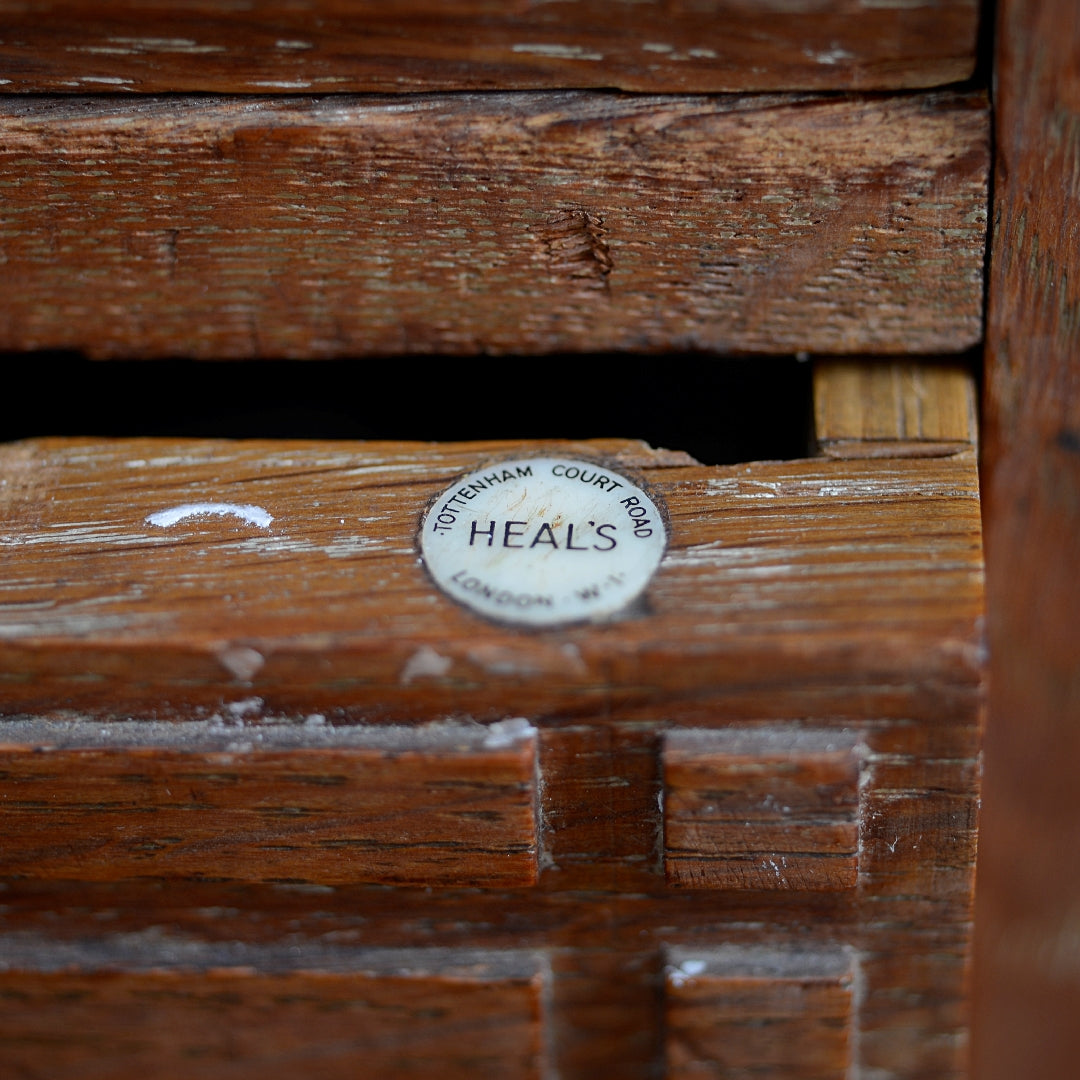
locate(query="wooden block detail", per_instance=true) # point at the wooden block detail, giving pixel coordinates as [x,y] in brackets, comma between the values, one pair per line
[743,1012]
[606,1011]
[146,1004]
[892,406]
[761,608]
[494,223]
[442,805]
[364,45]
[774,809]
[600,807]
[921,825]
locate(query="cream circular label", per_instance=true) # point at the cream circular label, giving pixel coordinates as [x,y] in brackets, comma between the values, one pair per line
[543,541]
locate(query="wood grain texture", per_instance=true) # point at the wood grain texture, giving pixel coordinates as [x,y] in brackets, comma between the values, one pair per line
[607,950]
[417,45]
[1029,981]
[798,601]
[743,1013]
[495,223]
[148,1005]
[760,811]
[759,608]
[894,408]
[438,806]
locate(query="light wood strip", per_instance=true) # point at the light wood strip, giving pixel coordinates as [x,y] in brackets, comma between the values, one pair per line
[894,406]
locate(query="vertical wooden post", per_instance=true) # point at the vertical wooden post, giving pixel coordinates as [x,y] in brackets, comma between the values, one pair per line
[1028,959]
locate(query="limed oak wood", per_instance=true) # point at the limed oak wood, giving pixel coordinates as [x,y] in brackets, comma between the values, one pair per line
[128,1009]
[495,223]
[756,627]
[448,805]
[760,811]
[745,1013]
[758,610]
[1029,969]
[417,45]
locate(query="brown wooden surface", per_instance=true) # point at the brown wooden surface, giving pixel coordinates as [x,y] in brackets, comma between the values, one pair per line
[892,408]
[351,45]
[760,608]
[129,1009]
[756,626]
[1029,914]
[429,806]
[760,812]
[523,223]
[744,1013]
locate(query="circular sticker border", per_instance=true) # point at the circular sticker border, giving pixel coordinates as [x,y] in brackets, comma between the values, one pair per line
[635,608]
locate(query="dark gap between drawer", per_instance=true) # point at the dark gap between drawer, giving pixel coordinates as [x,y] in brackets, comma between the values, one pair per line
[721,410]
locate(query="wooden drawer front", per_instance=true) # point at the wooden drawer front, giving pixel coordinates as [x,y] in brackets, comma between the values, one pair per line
[742,1013]
[520,223]
[445,805]
[312,45]
[761,810]
[147,1005]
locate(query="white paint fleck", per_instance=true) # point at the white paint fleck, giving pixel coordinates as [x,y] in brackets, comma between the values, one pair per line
[702,54]
[657,47]
[558,52]
[425,663]
[505,733]
[241,662]
[833,55]
[253,515]
[679,975]
[176,45]
[237,710]
[285,44]
[281,85]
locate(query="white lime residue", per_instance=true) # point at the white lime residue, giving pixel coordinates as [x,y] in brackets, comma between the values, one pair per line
[253,515]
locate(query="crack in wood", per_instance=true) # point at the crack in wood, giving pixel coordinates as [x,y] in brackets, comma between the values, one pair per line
[576,249]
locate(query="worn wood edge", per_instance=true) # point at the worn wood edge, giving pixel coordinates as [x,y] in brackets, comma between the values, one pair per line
[306,47]
[955,662]
[304,803]
[154,948]
[613,292]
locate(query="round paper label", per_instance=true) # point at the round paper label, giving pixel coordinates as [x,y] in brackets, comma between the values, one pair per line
[543,541]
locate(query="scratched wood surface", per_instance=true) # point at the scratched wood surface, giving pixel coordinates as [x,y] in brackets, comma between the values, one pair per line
[1029,974]
[492,223]
[417,45]
[762,813]
[755,626]
[129,1008]
[744,1013]
[327,607]
[450,806]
